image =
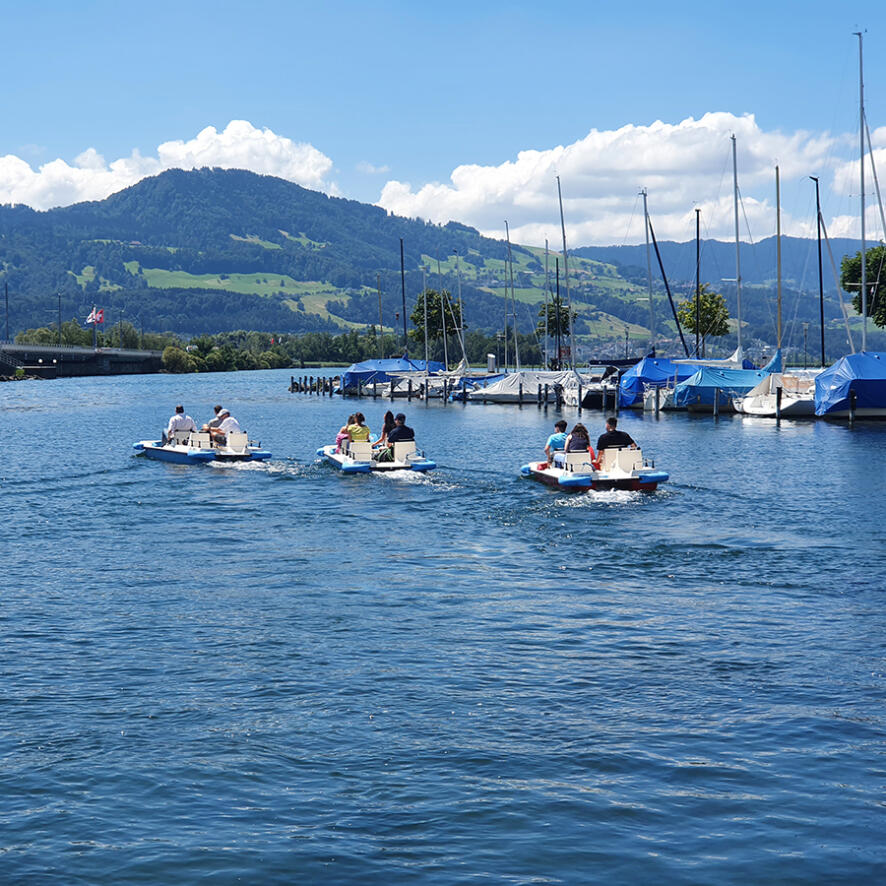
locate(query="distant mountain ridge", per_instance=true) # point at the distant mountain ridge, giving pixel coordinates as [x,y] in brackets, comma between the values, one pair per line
[758,260]
[212,250]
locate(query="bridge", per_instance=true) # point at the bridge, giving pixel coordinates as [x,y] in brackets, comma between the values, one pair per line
[64,361]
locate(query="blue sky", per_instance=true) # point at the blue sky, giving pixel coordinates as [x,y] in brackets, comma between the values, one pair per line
[406,93]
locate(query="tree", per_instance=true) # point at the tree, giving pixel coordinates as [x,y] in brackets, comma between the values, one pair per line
[449,310]
[202,345]
[555,306]
[712,312]
[850,280]
[177,360]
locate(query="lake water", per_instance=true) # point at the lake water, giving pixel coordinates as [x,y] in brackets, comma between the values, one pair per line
[275,673]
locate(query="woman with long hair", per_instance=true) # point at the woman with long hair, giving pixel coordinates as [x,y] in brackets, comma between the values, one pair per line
[386,428]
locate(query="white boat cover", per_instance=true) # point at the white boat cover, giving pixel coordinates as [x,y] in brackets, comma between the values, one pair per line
[507,390]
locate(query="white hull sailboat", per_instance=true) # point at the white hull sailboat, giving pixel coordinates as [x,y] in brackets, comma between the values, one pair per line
[796,397]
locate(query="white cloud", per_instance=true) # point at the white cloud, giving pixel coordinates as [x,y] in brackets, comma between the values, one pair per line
[368,168]
[683,166]
[239,146]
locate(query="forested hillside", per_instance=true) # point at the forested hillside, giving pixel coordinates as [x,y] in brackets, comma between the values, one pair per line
[211,251]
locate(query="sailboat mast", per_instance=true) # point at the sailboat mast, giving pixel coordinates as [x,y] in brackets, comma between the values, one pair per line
[513,298]
[697,279]
[649,273]
[547,285]
[403,293]
[443,317]
[559,344]
[381,323]
[737,247]
[778,253]
[864,275]
[461,313]
[424,298]
[566,275]
[820,278]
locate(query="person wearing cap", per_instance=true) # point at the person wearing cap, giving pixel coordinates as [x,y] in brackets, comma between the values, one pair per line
[400,432]
[215,422]
[180,422]
[227,424]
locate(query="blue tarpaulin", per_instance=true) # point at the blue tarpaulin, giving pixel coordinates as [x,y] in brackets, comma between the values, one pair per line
[380,371]
[863,373]
[701,388]
[656,372]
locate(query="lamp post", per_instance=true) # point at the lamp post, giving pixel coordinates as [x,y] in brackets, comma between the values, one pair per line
[59,319]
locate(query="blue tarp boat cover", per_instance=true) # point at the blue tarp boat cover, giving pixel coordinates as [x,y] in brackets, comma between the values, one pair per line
[381,370]
[700,388]
[655,372]
[864,373]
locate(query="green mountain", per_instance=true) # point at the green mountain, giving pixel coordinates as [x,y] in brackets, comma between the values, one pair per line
[214,250]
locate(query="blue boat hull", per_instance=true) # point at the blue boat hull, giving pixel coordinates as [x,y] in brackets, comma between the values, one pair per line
[647,481]
[349,466]
[180,456]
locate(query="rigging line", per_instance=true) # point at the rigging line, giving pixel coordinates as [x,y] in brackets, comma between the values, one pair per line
[874,171]
[876,289]
[824,230]
[445,294]
[744,214]
[749,288]
[667,287]
[705,247]
[795,320]
[631,220]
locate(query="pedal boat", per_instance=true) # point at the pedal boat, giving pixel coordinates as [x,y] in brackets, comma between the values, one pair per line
[361,458]
[188,447]
[618,469]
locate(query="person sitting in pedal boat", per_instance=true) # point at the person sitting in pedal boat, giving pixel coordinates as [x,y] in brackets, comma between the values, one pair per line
[179,422]
[556,441]
[613,438]
[401,432]
[227,425]
[358,429]
[342,436]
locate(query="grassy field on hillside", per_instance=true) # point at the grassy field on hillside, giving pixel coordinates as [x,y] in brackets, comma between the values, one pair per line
[254,238]
[248,284]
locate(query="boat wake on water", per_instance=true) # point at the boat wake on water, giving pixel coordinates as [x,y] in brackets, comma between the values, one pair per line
[608,498]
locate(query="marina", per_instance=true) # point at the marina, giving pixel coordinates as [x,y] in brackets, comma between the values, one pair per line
[427,472]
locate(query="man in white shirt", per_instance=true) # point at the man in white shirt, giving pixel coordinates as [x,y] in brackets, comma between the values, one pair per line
[228,425]
[180,422]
